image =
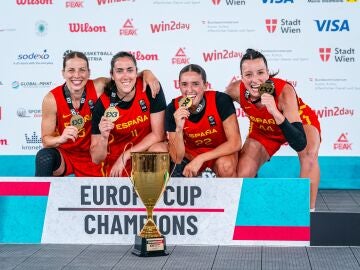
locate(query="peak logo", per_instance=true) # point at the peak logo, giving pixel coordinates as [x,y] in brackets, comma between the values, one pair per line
[128,29]
[325,54]
[74,4]
[332,25]
[221,55]
[170,26]
[180,58]
[343,143]
[34,2]
[86,28]
[271,25]
[278,1]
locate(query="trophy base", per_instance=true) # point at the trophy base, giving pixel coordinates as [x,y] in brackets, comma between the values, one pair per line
[149,247]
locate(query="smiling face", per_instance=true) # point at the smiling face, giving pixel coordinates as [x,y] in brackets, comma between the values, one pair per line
[124,73]
[254,72]
[193,86]
[76,74]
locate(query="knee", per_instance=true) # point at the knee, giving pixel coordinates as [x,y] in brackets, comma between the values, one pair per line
[226,169]
[309,157]
[47,160]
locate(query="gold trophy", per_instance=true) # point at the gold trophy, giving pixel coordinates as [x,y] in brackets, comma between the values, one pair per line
[149,175]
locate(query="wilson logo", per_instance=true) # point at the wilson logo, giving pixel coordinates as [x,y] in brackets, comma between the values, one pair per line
[86,28]
[332,25]
[34,2]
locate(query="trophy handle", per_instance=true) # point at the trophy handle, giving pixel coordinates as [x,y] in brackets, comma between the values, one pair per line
[122,159]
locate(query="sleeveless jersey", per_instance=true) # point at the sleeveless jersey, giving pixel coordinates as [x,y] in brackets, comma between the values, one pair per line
[262,123]
[132,125]
[82,144]
[208,133]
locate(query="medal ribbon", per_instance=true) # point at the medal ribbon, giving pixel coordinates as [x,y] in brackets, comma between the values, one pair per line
[69,102]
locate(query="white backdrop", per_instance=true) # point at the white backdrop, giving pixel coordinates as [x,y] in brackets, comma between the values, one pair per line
[308,41]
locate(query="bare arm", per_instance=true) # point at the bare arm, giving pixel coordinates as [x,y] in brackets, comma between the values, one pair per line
[156,135]
[233,91]
[230,146]
[288,104]
[176,139]
[49,134]
[99,142]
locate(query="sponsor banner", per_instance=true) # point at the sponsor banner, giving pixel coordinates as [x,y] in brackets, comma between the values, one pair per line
[229,211]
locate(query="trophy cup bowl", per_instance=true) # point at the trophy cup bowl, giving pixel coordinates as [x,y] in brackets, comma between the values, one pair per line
[149,176]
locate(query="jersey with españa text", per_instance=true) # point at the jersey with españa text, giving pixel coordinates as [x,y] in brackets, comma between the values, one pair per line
[262,122]
[206,134]
[132,125]
[82,143]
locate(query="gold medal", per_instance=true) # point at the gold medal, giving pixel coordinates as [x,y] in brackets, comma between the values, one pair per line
[77,121]
[185,102]
[267,87]
[112,114]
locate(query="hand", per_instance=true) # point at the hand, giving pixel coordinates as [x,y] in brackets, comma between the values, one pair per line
[119,165]
[269,101]
[150,80]
[69,133]
[180,115]
[193,167]
[105,126]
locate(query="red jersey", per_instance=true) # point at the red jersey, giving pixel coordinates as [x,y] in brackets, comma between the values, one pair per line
[208,133]
[263,127]
[82,144]
[132,126]
[76,154]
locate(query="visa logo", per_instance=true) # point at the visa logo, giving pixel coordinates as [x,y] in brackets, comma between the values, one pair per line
[277,1]
[332,25]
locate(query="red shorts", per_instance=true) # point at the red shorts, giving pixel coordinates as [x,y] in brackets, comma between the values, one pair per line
[80,165]
[308,117]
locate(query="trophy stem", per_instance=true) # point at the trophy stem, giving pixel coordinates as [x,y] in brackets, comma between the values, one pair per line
[150,229]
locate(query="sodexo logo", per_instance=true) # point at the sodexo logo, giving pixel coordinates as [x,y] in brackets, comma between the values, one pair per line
[332,25]
[34,56]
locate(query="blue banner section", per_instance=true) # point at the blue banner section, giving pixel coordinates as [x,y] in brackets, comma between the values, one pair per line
[274,202]
[22,218]
[336,172]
